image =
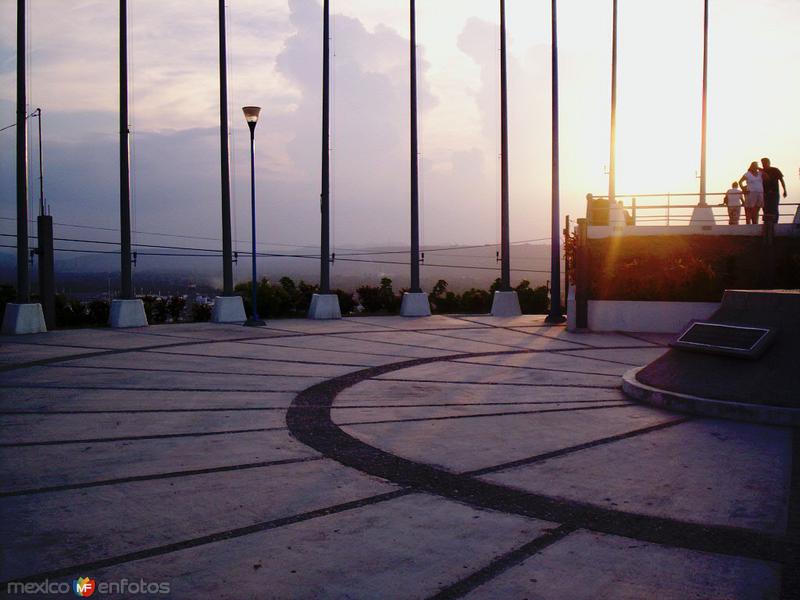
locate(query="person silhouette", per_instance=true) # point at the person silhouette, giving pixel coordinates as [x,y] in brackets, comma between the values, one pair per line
[754,192]
[771,176]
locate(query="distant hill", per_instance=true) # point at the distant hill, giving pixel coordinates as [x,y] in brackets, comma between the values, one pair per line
[462,268]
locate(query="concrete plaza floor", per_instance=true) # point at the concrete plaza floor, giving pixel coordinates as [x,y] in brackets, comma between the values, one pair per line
[381,458]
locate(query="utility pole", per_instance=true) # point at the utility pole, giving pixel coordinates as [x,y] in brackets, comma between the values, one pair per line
[126,311]
[23,274]
[325,305]
[505,244]
[705,108]
[325,205]
[415,286]
[506,301]
[555,315]
[224,156]
[126,276]
[612,161]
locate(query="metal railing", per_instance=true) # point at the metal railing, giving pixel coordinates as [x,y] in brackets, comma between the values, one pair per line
[668,209]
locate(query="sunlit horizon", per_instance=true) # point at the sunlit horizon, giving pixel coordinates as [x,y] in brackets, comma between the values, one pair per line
[275,55]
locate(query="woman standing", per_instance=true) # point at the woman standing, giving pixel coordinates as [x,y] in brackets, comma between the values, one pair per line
[754,194]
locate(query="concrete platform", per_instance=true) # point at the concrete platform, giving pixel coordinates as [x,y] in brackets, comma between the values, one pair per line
[476,457]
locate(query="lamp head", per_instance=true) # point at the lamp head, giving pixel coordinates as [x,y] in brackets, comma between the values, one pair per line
[251,114]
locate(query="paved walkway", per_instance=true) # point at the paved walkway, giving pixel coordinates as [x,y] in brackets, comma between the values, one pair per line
[380,458]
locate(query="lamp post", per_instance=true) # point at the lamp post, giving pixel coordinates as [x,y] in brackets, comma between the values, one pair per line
[251,116]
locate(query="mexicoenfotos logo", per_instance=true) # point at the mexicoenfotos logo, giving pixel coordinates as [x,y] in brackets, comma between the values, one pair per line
[83,587]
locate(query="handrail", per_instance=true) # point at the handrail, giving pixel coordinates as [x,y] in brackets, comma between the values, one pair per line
[600,210]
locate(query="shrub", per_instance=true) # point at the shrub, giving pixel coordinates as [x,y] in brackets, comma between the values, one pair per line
[346,301]
[7,294]
[533,301]
[201,312]
[174,307]
[98,312]
[476,301]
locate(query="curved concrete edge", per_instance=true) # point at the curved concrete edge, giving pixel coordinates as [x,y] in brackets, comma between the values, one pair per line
[707,407]
[415,304]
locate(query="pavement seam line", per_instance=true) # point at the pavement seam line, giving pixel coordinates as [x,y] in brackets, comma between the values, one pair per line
[503,563]
[209,539]
[271,429]
[577,448]
[155,476]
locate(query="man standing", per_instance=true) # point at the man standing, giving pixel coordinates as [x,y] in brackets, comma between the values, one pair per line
[771,176]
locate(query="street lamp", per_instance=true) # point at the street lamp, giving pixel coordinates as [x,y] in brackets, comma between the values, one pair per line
[251,116]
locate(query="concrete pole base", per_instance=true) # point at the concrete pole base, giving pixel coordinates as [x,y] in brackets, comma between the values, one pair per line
[23,318]
[506,304]
[702,215]
[228,309]
[324,307]
[415,304]
[572,319]
[127,313]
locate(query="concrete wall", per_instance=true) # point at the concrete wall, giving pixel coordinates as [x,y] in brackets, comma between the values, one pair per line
[603,231]
[650,317]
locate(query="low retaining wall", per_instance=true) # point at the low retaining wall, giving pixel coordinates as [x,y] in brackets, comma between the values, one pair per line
[646,317]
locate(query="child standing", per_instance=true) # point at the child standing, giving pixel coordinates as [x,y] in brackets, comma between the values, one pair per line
[734,201]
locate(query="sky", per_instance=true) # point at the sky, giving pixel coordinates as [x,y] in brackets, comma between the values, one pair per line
[275,50]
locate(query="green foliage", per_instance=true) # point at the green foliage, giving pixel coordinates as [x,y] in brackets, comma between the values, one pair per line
[7,294]
[174,307]
[476,301]
[201,313]
[379,299]
[689,268]
[155,309]
[98,312]
[70,313]
[346,301]
[533,301]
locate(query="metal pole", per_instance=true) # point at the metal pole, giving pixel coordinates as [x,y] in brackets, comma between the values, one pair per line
[254,318]
[38,112]
[505,247]
[126,277]
[612,161]
[415,286]
[47,282]
[555,315]
[23,275]
[325,196]
[224,158]
[705,108]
